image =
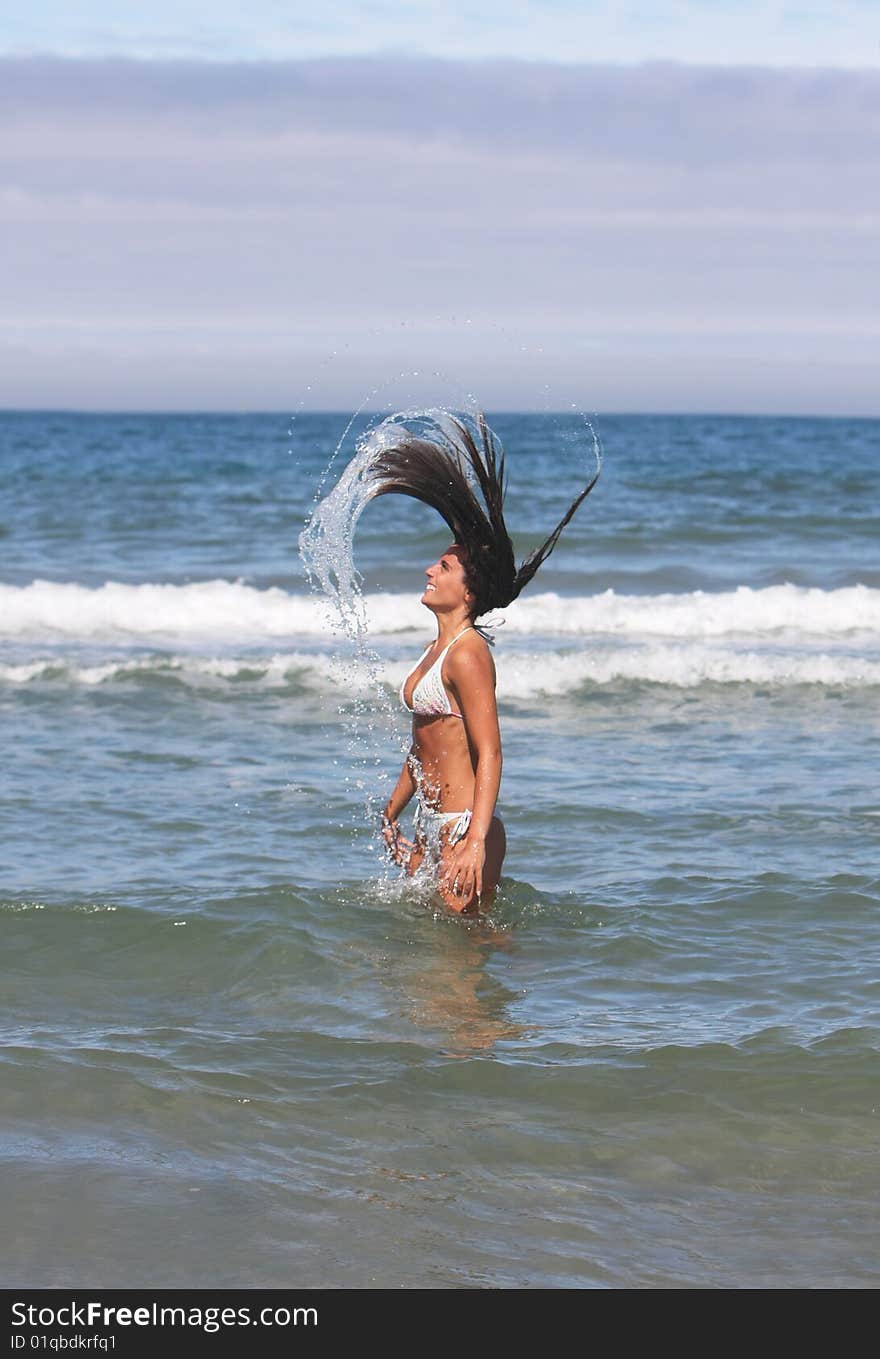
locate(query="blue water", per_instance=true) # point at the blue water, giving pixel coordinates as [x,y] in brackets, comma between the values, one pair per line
[655,1064]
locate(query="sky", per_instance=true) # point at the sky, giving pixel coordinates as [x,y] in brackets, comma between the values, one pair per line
[573,205]
[842,33]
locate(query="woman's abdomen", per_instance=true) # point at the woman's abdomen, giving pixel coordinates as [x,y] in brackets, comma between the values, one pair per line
[447,773]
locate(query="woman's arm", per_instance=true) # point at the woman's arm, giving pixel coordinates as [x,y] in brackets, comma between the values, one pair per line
[472,673]
[404,790]
[398,846]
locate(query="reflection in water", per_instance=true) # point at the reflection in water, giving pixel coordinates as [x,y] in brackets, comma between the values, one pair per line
[446,985]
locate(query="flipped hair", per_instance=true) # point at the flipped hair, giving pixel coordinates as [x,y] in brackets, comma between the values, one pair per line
[440,472]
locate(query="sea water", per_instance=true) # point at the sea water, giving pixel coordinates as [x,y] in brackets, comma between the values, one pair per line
[237,1051]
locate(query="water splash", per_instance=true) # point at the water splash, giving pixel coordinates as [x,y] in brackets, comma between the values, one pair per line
[326,547]
[326,543]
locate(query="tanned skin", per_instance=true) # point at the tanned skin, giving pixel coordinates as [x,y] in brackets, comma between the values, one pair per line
[460,757]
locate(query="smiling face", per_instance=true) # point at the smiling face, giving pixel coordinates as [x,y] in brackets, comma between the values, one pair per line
[446,589]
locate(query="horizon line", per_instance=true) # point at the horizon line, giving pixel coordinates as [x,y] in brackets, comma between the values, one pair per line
[346,413]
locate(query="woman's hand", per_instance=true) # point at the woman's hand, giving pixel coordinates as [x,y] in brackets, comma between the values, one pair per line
[399,848]
[462,873]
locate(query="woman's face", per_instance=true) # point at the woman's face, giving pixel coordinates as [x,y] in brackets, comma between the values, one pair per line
[446,589]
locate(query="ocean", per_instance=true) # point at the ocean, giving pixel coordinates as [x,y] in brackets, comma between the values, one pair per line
[239,1051]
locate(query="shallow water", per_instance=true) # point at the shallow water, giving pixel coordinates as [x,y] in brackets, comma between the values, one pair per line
[655,1064]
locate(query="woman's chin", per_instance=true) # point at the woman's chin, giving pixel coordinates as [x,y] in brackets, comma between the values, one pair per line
[428,601]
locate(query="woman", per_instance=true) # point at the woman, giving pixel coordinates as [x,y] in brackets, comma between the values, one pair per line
[453,768]
[454,765]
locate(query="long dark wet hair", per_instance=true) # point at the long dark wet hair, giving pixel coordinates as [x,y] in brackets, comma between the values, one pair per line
[435,471]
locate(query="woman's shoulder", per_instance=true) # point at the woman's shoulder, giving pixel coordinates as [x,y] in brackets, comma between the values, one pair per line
[471,655]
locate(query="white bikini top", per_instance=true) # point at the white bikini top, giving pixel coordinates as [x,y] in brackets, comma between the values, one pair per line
[429,698]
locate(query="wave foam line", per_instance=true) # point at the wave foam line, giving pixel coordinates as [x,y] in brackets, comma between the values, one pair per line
[313,670]
[521,677]
[682,667]
[231,610]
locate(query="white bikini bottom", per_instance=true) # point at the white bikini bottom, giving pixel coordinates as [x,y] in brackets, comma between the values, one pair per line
[428,824]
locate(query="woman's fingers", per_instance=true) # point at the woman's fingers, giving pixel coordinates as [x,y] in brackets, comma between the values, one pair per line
[453,871]
[458,876]
[399,848]
[403,850]
[462,874]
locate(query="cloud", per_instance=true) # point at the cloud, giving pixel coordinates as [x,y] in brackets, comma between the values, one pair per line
[705,238]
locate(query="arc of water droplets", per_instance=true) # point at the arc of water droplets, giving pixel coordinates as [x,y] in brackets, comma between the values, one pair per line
[326,547]
[326,543]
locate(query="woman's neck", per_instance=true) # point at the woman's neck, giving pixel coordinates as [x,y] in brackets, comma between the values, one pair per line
[449,625]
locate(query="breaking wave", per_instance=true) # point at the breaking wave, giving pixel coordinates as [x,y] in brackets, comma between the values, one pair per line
[522,675]
[233,611]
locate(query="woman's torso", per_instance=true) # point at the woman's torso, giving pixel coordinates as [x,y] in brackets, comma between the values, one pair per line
[445,755]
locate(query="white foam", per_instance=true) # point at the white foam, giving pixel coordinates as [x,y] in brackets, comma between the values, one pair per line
[782,610]
[221,609]
[522,676]
[231,611]
[313,669]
